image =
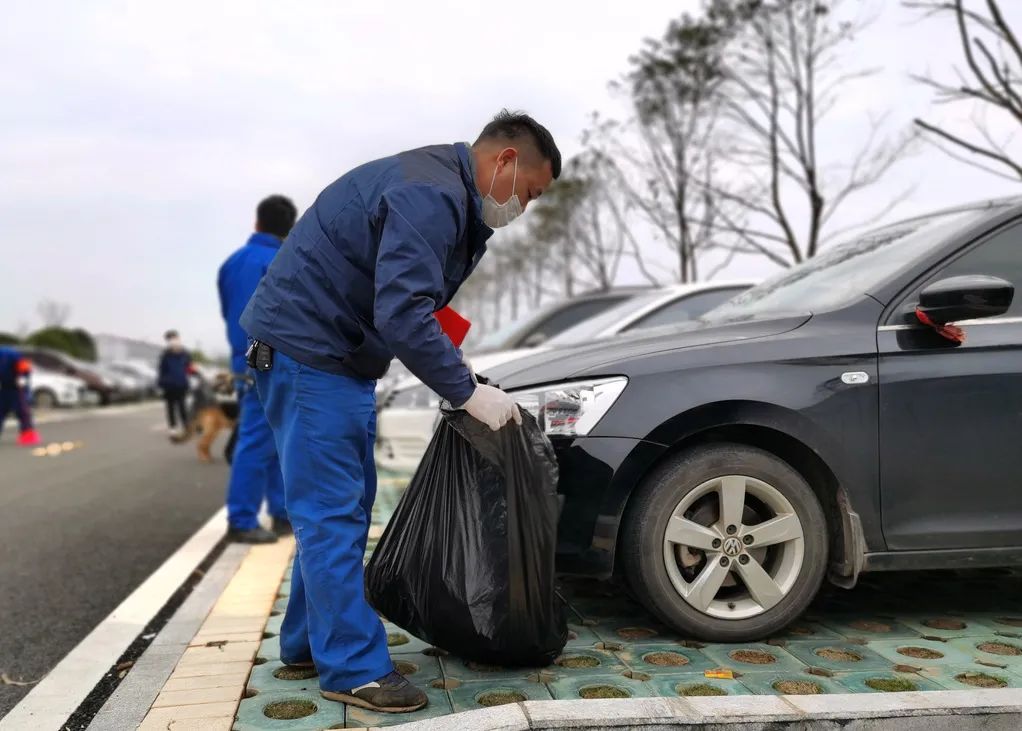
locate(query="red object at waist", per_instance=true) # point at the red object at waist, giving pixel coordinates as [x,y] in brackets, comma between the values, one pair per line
[454,325]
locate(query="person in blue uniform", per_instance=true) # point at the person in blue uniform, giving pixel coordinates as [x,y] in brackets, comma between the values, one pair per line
[255,468]
[174,370]
[355,284]
[15,371]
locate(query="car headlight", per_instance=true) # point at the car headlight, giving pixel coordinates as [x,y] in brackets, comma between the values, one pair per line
[571,409]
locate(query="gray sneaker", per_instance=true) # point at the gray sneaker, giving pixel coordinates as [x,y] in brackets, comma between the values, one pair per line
[390,694]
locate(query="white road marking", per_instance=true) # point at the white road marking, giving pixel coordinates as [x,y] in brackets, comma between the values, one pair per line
[56,697]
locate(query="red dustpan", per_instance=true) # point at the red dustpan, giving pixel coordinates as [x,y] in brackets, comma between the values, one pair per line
[454,325]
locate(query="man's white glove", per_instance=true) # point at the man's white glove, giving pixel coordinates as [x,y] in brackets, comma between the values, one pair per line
[493,407]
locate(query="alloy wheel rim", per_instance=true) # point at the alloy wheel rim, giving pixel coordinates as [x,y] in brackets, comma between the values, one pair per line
[733,547]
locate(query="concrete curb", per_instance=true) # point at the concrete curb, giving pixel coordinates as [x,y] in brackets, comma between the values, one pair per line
[129,704]
[990,710]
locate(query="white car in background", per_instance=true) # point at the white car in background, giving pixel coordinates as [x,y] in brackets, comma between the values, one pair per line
[407,414]
[52,390]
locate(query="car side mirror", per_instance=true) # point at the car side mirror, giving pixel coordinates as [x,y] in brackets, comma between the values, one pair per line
[966,298]
[533,340]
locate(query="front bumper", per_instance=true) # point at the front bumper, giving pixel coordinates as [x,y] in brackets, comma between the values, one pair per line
[597,476]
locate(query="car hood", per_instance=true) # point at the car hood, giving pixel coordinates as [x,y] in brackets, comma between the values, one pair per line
[561,364]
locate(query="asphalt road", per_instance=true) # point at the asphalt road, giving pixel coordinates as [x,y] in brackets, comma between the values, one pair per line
[79,531]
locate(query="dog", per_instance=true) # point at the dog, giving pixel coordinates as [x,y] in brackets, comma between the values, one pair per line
[214,408]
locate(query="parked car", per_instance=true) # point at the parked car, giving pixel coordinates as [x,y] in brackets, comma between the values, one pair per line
[51,389]
[144,374]
[812,427]
[126,386]
[537,328]
[408,412]
[526,332]
[105,389]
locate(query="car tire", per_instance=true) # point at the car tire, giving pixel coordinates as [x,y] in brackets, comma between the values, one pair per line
[44,398]
[687,484]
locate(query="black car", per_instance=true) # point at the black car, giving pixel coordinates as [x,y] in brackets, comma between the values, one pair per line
[822,424]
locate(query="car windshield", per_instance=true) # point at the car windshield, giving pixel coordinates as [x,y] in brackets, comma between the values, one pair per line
[597,325]
[850,270]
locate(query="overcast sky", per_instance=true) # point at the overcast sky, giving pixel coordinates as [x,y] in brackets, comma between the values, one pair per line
[137,137]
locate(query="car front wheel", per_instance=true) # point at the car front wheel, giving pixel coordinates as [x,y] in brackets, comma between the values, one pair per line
[726,543]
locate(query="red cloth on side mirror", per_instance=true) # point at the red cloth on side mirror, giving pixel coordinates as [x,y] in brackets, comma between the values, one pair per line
[454,325]
[23,366]
[952,332]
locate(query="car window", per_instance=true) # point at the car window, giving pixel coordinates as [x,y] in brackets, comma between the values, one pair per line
[839,275]
[684,309]
[998,256]
[568,316]
[598,325]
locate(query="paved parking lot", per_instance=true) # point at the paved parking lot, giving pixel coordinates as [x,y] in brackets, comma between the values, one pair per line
[894,632]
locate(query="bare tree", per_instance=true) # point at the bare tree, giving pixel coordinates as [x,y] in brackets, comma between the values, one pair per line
[53,313]
[781,78]
[657,157]
[993,60]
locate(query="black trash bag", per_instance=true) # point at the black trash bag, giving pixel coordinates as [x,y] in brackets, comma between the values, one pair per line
[467,561]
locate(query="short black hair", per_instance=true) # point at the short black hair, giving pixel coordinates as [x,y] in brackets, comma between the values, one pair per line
[276,215]
[170,334]
[508,125]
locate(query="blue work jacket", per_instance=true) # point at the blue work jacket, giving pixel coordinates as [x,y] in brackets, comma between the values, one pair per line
[236,281]
[175,366]
[359,277]
[9,360]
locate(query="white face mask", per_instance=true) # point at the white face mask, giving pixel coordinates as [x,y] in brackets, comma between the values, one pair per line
[497,215]
[174,343]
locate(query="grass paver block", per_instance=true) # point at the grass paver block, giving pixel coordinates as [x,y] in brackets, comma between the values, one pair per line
[790,684]
[252,717]
[838,656]
[751,657]
[884,681]
[921,653]
[682,684]
[471,696]
[665,659]
[600,686]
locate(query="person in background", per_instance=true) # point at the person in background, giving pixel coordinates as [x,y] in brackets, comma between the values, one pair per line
[15,371]
[255,468]
[356,283]
[175,367]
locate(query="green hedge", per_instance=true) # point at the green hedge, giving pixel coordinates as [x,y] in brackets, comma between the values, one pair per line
[76,343]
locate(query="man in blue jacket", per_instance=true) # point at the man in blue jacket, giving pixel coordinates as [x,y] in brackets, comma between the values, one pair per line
[174,369]
[356,283]
[255,468]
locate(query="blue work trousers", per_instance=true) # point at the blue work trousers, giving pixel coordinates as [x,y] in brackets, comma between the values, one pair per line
[255,468]
[325,426]
[15,398]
